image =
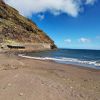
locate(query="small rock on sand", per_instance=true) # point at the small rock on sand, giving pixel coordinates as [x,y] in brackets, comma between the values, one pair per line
[9,84]
[21,94]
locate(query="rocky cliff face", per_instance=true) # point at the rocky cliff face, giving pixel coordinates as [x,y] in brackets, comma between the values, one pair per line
[18,29]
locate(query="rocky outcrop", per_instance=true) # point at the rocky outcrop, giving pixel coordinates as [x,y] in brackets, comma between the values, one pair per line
[14,28]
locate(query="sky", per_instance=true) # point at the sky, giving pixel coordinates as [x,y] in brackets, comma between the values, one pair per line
[70,23]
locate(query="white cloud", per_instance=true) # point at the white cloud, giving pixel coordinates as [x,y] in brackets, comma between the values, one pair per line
[41,16]
[68,40]
[97,37]
[90,1]
[84,40]
[56,7]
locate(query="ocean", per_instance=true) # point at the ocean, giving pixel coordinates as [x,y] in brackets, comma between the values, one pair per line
[84,58]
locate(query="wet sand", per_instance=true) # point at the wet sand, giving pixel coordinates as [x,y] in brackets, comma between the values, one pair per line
[28,79]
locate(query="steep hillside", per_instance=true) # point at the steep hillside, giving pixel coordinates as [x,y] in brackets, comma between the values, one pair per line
[18,29]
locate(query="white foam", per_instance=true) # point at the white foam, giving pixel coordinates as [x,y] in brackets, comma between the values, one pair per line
[63,60]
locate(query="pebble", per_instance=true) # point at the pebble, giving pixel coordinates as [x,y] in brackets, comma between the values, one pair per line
[85,80]
[81,95]
[9,84]
[21,94]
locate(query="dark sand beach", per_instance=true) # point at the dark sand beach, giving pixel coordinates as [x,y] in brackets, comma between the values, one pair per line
[28,79]
[71,24]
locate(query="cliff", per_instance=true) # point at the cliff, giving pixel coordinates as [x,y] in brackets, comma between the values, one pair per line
[15,28]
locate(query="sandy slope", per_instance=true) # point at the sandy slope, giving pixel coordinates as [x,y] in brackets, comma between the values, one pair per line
[27,79]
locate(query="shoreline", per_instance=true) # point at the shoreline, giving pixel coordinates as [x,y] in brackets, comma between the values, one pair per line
[25,79]
[16,56]
[54,62]
[59,62]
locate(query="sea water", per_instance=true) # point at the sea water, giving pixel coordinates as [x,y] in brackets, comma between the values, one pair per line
[84,58]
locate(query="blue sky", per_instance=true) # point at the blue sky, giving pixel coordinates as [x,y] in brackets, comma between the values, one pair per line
[75,27]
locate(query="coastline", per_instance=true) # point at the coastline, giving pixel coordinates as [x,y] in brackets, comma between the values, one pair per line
[59,61]
[52,61]
[23,78]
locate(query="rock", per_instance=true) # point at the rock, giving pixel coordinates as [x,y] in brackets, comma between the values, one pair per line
[14,28]
[81,95]
[21,94]
[9,84]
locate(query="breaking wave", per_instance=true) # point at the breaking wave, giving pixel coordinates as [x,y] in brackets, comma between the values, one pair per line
[66,60]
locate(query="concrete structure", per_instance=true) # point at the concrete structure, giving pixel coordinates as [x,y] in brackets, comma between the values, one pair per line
[25,46]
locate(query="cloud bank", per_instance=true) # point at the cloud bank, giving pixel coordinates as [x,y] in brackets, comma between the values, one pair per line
[56,7]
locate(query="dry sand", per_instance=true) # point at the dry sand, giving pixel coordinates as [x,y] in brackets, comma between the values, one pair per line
[28,79]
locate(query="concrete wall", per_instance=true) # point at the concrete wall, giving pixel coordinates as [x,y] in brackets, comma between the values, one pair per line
[37,46]
[28,46]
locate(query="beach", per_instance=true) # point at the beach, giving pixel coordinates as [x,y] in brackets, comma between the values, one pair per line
[49,50]
[29,79]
